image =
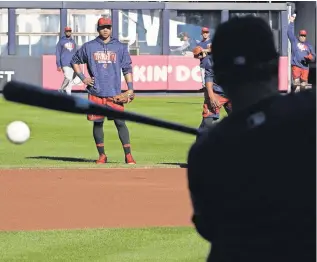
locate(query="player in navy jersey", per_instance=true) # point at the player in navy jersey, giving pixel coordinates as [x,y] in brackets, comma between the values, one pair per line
[205,44]
[106,57]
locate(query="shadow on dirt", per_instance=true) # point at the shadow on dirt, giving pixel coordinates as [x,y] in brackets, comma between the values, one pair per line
[181,165]
[64,159]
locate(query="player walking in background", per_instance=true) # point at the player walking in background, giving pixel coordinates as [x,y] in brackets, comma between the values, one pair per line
[302,54]
[214,97]
[214,100]
[205,54]
[65,49]
[105,57]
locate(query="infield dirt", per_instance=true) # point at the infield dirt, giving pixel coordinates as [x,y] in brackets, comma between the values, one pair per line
[38,199]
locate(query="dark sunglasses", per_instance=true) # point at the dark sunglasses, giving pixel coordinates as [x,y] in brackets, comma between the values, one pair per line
[68,31]
[303,35]
[104,26]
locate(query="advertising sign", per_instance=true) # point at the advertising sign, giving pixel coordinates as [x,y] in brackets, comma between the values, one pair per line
[24,69]
[150,72]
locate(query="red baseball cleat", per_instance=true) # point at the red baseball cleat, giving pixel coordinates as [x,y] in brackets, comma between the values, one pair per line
[129,159]
[102,159]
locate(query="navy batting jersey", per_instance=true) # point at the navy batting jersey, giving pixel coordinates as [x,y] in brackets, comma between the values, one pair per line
[258,203]
[105,61]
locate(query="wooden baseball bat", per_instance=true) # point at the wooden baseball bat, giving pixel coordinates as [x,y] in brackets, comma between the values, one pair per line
[27,94]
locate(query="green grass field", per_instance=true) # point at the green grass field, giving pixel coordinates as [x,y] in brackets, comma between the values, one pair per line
[59,136]
[65,140]
[113,245]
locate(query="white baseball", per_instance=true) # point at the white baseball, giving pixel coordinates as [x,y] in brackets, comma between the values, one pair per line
[18,132]
[294,15]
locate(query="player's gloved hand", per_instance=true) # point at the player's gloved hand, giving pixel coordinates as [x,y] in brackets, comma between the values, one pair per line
[309,57]
[124,98]
[197,50]
[304,62]
[59,69]
[214,103]
[89,81]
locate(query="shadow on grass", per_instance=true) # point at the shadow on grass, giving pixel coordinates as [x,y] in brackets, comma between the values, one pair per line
[181,165]
[65,159]
[187,103]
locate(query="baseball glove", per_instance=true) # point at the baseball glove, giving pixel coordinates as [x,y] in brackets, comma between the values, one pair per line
[124,98]
[197,50]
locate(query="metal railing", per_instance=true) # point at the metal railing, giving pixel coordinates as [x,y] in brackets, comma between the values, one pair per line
[135,47]
[29,35]
[38,11]
[57,34]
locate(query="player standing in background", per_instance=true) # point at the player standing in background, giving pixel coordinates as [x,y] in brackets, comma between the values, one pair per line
[205,44]
[105,57]
[65,49]
[302,54]
[214,97]
[214,100]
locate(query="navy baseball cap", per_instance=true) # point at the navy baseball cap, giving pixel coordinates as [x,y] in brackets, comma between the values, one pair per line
[243,43]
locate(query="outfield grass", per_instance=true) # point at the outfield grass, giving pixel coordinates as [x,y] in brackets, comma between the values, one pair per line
[113,245]
[65,140]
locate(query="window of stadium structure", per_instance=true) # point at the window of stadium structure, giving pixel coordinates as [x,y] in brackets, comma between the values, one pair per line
[4,31]
[142,31]
[37,31]
[185,29]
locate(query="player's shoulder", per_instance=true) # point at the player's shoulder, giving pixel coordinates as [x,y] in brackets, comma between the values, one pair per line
[61,40]
[272,113]
[121,43]
[309,45]
[86,45]
[116,41]
[302,101]
[95,41]
[90,43]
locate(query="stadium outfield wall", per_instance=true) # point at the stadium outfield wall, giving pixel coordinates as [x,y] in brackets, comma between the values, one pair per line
[30,30]
[151,73]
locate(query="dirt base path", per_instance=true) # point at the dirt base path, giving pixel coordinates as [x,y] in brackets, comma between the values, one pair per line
[92,198]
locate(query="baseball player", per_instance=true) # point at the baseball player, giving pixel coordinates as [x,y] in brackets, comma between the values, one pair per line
[302,54]
[214,96]
[248,198]
[65,49]
[105,58]
[205,54]
[214,100]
